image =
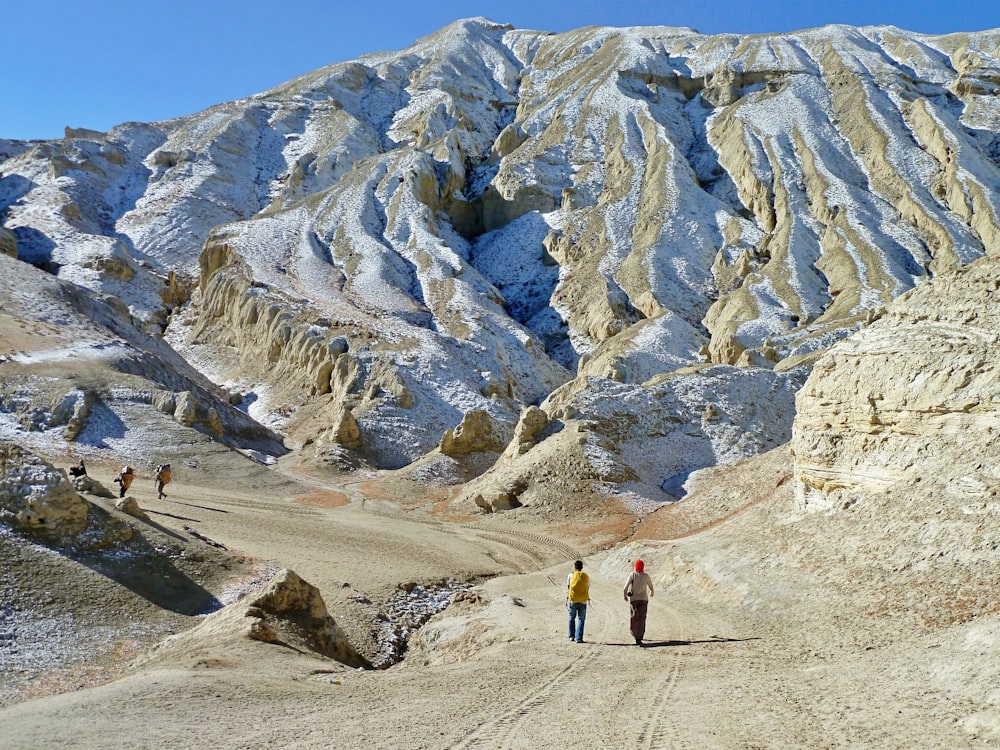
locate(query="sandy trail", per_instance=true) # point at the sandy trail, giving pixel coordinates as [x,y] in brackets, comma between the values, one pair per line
[526,690]
[501,673]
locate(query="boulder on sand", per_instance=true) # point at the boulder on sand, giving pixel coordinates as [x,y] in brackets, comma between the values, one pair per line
[287,611]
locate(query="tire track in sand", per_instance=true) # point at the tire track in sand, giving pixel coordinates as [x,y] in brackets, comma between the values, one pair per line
[530,536]
[278,506]
[503,731]
[659,730]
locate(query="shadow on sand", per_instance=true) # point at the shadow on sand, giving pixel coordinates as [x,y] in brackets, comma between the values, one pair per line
[143,561]
[663,644]
[150,573]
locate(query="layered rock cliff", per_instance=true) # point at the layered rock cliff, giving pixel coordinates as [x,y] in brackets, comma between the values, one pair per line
[914,397]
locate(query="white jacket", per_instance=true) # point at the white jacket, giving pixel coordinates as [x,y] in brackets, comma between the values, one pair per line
[640,584]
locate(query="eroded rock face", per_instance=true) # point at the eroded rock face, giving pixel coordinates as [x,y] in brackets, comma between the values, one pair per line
[475,433]
[615,203]
[39,500]
[529,428]
[287,611]
[37,497]
[597,438]
[291,611]
[916,394]
[346,431]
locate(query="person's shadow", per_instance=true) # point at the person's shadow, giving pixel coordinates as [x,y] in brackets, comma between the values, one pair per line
[663,644]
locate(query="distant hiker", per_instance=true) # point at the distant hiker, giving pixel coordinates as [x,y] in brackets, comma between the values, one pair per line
[577,595]
[162,479]
[124,479]
[638,589]
[78,471]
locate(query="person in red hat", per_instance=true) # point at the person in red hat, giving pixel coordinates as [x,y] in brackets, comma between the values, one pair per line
[638,590]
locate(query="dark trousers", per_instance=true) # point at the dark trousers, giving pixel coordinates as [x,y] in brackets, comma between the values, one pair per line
[637,621]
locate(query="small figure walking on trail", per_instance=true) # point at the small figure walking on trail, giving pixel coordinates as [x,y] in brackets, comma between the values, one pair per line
[124,479]
[78,471]
[577,595]
[162,480]
[638,590]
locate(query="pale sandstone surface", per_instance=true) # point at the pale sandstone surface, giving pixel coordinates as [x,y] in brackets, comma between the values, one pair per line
[758,636]
[912,398]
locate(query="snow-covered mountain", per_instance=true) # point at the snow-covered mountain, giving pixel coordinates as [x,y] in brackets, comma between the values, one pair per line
[649,232]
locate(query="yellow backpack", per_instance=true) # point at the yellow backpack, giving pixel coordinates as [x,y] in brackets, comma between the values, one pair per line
[579,587]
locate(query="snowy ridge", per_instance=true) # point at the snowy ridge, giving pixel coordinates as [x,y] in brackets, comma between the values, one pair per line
[466,224]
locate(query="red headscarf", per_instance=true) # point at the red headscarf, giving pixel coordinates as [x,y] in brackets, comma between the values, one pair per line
[639,565]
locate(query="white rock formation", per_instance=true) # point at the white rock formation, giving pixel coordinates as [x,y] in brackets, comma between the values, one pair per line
[37,500]
[460,226]
[914,396]
[78,378]
[36,497]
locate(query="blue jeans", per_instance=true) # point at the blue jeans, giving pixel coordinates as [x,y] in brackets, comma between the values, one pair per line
[578,612]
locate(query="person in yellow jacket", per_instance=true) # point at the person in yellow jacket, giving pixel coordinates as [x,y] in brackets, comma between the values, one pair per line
[577,596]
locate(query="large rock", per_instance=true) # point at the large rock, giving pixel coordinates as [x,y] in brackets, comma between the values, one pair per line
[346,431]
[39,500]
[916,394]
[36,497]
[477,432]
[91,486]
[130,506]
[529,428]
[189,411]
[287,611]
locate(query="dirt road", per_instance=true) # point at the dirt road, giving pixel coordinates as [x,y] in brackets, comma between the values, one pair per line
[496,670]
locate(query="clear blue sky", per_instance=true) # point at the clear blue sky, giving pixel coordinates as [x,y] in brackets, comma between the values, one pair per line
[96,63]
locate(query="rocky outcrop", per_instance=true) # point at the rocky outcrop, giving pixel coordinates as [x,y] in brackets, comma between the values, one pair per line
[38,409]
[476,433]
[130,507]
[290,612]
[346,431]
[189,411]
[37,499]
[529,429]
[287,612]
[596,438]
[91,486]
[566,203]
[912,396]
[354,374]
[82,406]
